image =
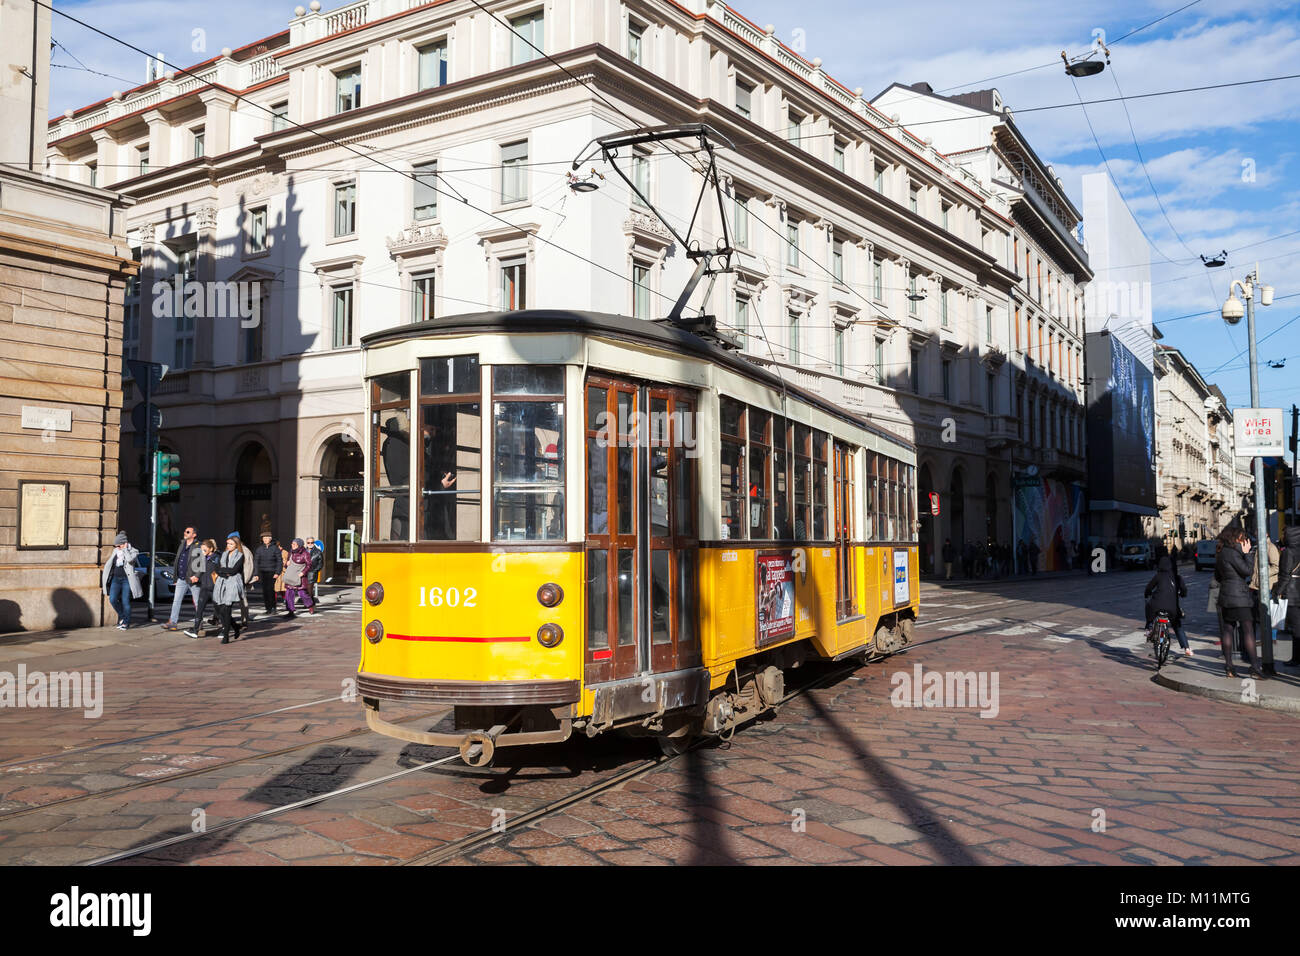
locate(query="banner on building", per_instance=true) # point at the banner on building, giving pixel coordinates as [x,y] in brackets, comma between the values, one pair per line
[1049,522]
[775,596]
[1121,428]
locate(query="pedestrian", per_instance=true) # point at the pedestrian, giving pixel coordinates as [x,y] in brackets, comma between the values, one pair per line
[1033,557]
[184,577]
[1288,587]
[1232,569]
[1162,593]
[248,577]
[229,586]
[1174,555]
[967,559]
[296,572]
[947,559]
[267,565]
[206,583]
[120,581]
[1264,628]
[317,563]
[1022,557]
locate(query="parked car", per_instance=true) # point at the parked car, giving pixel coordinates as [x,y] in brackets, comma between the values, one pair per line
[163,576]
[1137,554]
[1205,554]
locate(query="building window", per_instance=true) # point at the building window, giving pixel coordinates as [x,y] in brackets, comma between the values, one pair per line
[640,290]
[514,173]
[433,65]
[943,306]
[943,213]
[742,319]
[183,341]
[514,285]
[94,173]
[144,159]
[914,370]
[641,177]
[792,244]
[198,141]
[793,127]
[425,202]
[257,230]
[914,199]
[912,297]
[131,313]
[526,43]
[347,89]
[745,99]
[794,337]
[837,259]
[839,351]
[880,360]
[635,33]
[345,209]
[877,280]
[837,157]
[422,287]
[879,181]
[279,116]
[740,222]
[988,323]
[254,336]
[342,316]
[947,380]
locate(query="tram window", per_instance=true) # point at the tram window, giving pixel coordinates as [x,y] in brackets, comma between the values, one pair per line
[685,596]
[731,415]
[661,586]
[451,471]
[734,522]
[802,478]
[684,480]
[528,456]
[819,482]
[781,528]
[597,487]
[760,502]
[453,375]
[528,380]
[390,480]
[597,416]
[626,622]
[392,388]
[597,600]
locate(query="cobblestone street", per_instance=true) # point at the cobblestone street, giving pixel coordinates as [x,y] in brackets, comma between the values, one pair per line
[1081,757]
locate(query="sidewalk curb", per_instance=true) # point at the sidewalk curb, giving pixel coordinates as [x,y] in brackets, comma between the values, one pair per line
[1263,701]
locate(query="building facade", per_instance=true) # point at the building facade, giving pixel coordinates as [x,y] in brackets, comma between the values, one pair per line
[382,164]
[1022,473]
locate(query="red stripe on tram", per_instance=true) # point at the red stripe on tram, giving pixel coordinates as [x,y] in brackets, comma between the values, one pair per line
[459,640]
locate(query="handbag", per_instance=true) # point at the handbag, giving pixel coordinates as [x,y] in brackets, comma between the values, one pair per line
[1277,611]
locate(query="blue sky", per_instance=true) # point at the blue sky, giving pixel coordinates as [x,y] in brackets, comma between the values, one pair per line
[1223,162]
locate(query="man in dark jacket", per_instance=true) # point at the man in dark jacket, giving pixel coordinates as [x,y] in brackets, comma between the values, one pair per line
[1288,586]
[1162,593]
[267,565]
[1232,570]
[317,562]
[183,582]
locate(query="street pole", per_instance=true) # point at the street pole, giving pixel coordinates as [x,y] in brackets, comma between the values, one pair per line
[1261,514]
[1295,462]
[152,457]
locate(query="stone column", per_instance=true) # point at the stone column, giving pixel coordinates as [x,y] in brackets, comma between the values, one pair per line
[216,126]
[207,327]
[160,137]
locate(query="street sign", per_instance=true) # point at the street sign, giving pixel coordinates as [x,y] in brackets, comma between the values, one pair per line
[1258,432]
[139,420]
[146,374]
[934,503]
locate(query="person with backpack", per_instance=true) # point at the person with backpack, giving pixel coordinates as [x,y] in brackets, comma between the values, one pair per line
[296,571]
[1162,593]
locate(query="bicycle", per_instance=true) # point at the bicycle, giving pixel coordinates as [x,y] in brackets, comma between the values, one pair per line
[1159,639]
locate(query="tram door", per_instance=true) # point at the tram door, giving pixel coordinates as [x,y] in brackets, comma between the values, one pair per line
[641,530]
[846,604]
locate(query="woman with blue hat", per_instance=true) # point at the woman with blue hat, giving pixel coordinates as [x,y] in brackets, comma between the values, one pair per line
[229,589]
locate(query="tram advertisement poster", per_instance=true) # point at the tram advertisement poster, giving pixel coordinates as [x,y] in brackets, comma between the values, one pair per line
[775,596]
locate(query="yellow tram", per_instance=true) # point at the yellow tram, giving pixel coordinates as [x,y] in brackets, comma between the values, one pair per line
[580,522]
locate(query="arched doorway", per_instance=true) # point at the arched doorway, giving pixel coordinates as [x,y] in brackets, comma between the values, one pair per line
[957,513]
[928,545]
[341,511]
[253,482]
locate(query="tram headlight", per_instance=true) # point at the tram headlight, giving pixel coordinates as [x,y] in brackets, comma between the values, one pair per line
[550,635]
[549,595]
[375,593]
[374,632]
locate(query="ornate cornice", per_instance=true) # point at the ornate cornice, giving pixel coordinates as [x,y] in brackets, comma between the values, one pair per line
[415,240]
[643,228]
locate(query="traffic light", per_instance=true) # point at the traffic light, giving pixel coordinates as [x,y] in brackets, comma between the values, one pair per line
[167,473]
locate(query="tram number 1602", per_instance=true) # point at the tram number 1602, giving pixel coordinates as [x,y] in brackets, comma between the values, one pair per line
[451,597]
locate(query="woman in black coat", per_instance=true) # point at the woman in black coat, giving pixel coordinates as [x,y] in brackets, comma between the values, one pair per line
[1162,593]
[1288,586]
[1232,570]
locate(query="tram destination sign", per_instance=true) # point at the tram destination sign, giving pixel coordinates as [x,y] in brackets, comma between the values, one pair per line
[1257,432]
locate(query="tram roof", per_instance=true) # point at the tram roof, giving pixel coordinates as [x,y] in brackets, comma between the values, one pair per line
[659,334]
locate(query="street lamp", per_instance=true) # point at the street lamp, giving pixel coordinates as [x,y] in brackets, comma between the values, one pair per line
[1232,312]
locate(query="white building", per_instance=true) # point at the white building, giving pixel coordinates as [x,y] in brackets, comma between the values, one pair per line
[387,162]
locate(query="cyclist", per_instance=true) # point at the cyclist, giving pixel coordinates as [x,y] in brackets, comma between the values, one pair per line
[1162,593]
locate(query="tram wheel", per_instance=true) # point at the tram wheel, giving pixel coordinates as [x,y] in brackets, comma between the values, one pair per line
[674,746]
